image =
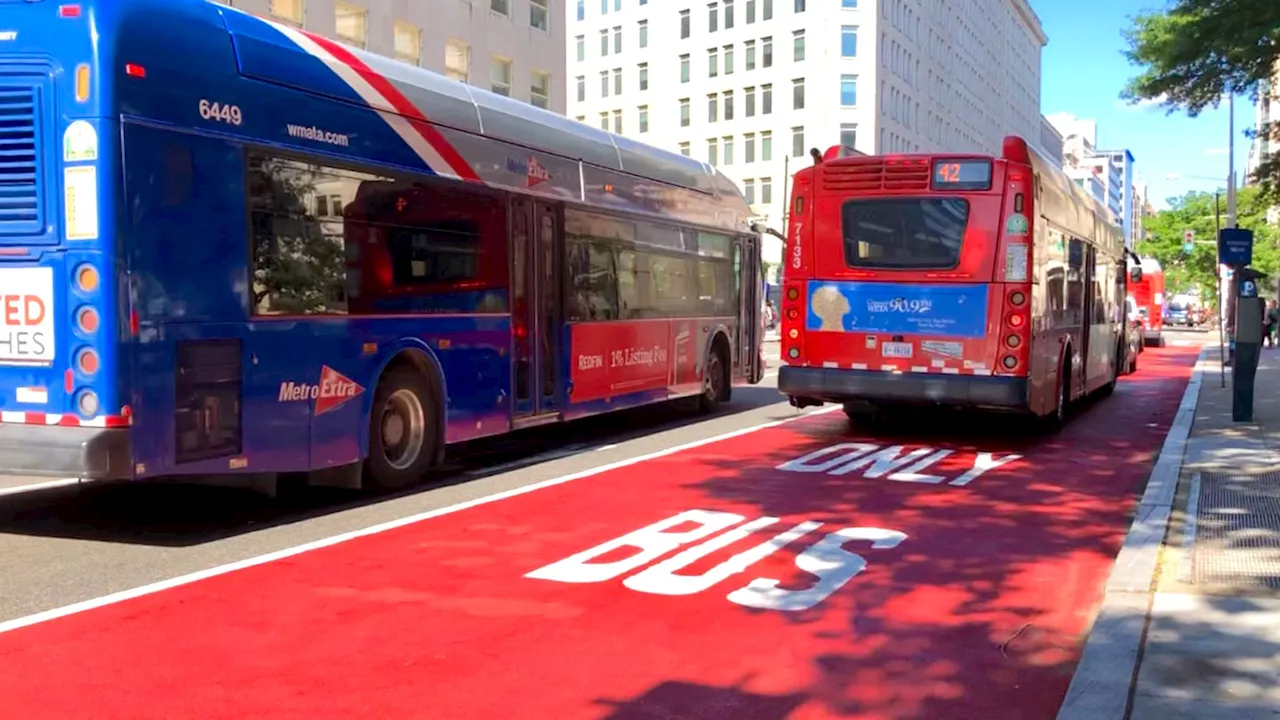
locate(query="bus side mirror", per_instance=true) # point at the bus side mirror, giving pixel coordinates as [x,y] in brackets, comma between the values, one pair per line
[1135,275]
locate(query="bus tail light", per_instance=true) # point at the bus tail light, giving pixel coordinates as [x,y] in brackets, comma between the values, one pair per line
[87,278]
[792,317]
[87,320]
[69,11]
[1009,362]
[1015,334]
[87,403]
[133,70]
[87,361]
[83,76]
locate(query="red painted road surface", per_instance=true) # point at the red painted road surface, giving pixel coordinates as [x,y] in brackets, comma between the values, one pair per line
[862,581]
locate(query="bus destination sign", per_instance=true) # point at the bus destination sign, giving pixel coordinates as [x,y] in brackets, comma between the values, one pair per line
[962,174]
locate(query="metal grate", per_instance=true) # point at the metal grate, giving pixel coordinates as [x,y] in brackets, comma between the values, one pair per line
[1237,530]
[19,165]
[854,174]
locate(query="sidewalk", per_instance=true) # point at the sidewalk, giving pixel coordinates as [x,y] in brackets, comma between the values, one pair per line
[1190,624]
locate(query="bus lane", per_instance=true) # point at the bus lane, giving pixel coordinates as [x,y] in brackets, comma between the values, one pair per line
[805,570]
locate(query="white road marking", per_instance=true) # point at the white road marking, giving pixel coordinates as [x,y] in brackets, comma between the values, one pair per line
[38,486]
[151,588]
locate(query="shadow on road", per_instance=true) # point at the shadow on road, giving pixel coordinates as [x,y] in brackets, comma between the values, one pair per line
[180,515]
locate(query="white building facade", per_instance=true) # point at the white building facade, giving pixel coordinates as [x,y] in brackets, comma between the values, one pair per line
[514,47]
[1107,174]
[752,85]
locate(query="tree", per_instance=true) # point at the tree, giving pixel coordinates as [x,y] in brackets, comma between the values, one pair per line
[1195,212]
[1196,51]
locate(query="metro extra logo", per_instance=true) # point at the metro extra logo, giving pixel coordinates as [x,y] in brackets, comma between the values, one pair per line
[334,390]
[534,172]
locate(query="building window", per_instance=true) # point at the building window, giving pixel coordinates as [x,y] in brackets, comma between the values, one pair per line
[502,7]
[728,14]
[643,80]
[849,4]
[500,76]
[644,34]
[684,24]
[581,43]
[749,191]
[684,68]
[848,90]
[849,41]
[751,11]
[604,43]
[797,94]
[604,83]
[582,88]
[604,8]
[684,149]
[749,101]
[728,59]
[712,15]
[848,138]
[582,10]
[728,104]
[617,81]
[288,10]
[799,6]
[713,62]
[538,14]
[766,190]
[726,151]
[766,13]
[408,42]
[617,39]
[684,112]
[766,52]
[750,60]
[581,118]
[617,5]
[713,107]
[351,23]
[766,99]
[457,60]
[617,122]
[643,119]
[797,45]
[604,121]
[797,142]
[749,148]
[712,147]
[540,89]
[766,146]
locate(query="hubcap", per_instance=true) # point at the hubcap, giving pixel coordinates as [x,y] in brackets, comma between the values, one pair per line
[713,378]
[403,428]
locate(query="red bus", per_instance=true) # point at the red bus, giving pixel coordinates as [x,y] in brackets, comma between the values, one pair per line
[1147,292]
[947,279]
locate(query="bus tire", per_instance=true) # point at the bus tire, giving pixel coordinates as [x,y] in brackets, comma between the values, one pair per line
[1058,417]
[715,377]
[402,437]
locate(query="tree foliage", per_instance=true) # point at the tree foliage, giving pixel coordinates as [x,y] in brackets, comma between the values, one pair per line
[1195,212]
[1195,51]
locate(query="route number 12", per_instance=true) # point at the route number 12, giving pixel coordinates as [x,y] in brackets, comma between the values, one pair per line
[220,112]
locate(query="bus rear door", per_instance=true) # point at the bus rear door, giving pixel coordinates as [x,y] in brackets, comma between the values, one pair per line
[537,314]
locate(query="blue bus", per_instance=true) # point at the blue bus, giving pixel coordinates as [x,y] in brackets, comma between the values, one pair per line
[229,246]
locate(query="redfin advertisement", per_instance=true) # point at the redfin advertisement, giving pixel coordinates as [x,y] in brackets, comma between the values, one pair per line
[617,358]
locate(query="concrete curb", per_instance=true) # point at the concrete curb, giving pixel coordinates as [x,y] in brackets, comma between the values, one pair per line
[1109,664]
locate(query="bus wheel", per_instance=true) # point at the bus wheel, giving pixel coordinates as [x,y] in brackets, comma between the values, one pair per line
[715,380]
[402,438]
[1058,417]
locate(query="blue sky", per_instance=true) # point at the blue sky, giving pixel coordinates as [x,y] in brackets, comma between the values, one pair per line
[1083,72]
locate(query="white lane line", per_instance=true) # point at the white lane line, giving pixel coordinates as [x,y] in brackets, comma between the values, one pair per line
[151,588]
[38,486]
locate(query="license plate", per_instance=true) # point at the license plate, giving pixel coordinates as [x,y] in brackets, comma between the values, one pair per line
[895,349]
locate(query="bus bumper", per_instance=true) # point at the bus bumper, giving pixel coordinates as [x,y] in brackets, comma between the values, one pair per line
[839,386]
[91,453]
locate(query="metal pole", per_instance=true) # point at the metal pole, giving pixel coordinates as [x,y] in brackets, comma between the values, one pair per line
[1231,160]
[1222,321]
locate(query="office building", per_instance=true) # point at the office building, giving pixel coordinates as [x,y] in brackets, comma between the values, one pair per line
[1106,174]
[751,85]
[1267,115]
[1050,140]
[513,47]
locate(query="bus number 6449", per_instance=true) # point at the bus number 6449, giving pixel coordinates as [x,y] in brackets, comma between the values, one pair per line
[220,112]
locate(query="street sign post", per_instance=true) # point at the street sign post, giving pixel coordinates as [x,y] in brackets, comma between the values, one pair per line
[1235,247]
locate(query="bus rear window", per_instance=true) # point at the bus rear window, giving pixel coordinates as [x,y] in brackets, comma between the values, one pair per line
[906,233]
